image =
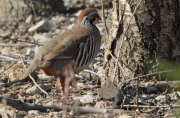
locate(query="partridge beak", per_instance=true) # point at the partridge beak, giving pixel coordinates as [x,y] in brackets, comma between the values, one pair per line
[98,17]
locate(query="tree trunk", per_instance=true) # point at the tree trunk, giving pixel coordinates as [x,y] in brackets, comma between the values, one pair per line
[20,9]
[153,35]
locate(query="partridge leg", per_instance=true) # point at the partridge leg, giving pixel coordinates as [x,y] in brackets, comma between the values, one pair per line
[65,83]
[67,79]
[62,83]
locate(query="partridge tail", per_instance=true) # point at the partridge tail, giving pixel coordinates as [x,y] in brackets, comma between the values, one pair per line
[30,69]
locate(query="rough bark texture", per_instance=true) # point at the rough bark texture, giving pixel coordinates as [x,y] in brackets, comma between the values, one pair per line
[20,9]
[153,35]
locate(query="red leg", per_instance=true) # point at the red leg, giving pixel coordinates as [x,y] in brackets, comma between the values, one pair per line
[62,83]
[67,79]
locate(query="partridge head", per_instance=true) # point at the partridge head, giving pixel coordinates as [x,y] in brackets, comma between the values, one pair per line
[76,47]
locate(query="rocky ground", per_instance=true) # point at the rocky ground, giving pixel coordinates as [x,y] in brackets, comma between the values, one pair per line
[21,42]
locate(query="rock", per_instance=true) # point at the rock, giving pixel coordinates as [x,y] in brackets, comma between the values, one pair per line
[151,89]
[148,84]
[174,96]
[108,91]
[15,72]
[67,3]
[71,26]
[125,116]
[29,51]
[80,85]
[141,100]
[62,19]
[144,115]
[5,33]
[76,98]
[101,104]
[86,99]
[132,91]
[7,113]
[72,19]
[36,112]
[33,90]
[45,34]
[55,114]
[6,50]
[162,99]
[29,19]
[39,102]
[40,39]
[58,31]
[178,93]
[58,19]
[22,28]
[41,25]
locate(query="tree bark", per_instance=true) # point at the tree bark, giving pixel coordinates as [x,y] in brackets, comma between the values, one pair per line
[153,35]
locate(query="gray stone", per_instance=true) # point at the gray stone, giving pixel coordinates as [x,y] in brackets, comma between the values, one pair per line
[72,19]
[33,90]
[71,26]
[40,39]
[36,112]
[151,89]
[87,99]
[162,99]
[58,31]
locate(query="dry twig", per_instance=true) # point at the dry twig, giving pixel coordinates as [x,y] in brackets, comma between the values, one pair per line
[33,78]
[104,19]
[19,105]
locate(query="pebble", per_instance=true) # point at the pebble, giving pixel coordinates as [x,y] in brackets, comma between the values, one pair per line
[36,112]
[72,19]
[33,90]
[87,99]
[57,19]
[125,116]
[40,39]
[58,31]
[71,26]
[162,99]
[55,114]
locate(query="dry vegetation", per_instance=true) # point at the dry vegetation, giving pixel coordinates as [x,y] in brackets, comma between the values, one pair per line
[142,96]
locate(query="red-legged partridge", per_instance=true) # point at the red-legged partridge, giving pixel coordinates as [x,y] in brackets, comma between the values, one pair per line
[75,48]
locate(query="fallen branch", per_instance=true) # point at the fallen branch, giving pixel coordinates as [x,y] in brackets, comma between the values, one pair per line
[98,74]
[129,80]
[144,106]
[103,18]
[19,105]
